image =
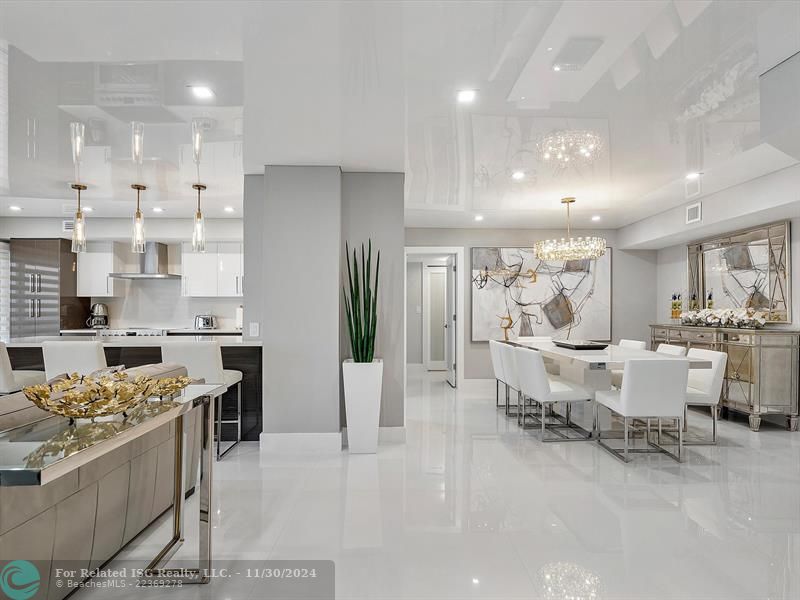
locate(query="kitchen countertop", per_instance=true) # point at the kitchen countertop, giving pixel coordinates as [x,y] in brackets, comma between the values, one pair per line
[133,341]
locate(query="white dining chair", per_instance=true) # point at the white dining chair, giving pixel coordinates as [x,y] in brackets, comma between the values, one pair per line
[616,374]
[82,357]
[13,381]
[497,369]
[550,364]
[671,350]
[651,389]
[705,386]
[203,360]
[510,373]
[547,391]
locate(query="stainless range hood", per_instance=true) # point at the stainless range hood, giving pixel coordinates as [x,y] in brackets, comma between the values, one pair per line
[153,264]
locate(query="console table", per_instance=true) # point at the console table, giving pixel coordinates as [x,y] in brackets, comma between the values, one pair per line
[761,377]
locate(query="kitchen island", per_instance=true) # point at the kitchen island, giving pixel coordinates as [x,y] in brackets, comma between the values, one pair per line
[133,351]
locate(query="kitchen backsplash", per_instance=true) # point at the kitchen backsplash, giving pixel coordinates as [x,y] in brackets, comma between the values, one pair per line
[159,304]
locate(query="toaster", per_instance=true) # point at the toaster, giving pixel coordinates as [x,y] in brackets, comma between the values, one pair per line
[205,322]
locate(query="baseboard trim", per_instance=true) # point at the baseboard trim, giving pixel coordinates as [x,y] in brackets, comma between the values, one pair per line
[386,435]
[300,443]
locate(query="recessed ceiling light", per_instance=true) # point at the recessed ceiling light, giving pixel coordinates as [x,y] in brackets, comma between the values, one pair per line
[549,48]
[202,92]
[466,96]
[692,176]
[229,209]
[475,580]
[556,67]
[158,209]
[15,208]
[596,218]
[518,175]
[479,217]
[87,209]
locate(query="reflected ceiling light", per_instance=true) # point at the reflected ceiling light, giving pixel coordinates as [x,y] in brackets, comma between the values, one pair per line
[581,248]
[15,208]
[479,217]
[137,155]
[202,92]
[518,175]
[475,580]
[466,96]
[88,209]
[199,228]
[77,139]
[692,176]
[158,209]
[229,209]
[549,48]
[556,67]
[564,146]
[596,218]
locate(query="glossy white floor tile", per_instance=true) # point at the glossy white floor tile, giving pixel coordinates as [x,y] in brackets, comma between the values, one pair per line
[472,507]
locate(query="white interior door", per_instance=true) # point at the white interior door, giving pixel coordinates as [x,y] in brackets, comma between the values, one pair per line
[450,320]
[434,284]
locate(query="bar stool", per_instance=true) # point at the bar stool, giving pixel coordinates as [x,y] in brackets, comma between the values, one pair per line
[13,381]
[73,357]
[616,375]
[203,360]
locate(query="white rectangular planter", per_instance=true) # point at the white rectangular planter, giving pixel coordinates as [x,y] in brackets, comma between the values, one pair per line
[362,400]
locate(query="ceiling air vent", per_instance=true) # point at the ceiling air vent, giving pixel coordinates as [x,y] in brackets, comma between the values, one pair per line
[694,213]
[574,55]
[67,226]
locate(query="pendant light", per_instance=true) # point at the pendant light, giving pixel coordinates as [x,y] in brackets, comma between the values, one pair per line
[581,248]
[137,155]
[199,228]
[79,226]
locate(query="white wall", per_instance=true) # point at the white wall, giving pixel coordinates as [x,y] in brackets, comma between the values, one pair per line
[633,282]
[414,318]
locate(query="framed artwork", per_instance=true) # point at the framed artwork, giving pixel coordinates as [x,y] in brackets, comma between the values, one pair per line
[513,290]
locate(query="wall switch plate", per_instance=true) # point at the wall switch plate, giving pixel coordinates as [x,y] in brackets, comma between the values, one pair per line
[254,330]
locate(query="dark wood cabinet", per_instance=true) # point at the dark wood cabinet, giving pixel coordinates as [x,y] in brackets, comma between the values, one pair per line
[44,288]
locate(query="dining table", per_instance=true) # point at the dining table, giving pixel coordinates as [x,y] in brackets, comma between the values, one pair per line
[593,368]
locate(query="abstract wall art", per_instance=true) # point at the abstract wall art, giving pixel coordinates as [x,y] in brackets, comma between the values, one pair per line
[515,294]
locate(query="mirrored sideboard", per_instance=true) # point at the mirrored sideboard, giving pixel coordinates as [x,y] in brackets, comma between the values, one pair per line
[761,377]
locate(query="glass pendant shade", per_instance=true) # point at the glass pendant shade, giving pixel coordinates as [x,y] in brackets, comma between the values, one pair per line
[79,225]
[199,229]
[137,235]
[137,142]
[77,138]
[569,248]
[197,140]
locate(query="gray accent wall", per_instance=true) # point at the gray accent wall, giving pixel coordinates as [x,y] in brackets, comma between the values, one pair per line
[297,250]
[413,318]
[633,282]
[372,207]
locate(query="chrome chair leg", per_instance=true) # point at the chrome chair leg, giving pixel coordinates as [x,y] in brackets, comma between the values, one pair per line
[625,435]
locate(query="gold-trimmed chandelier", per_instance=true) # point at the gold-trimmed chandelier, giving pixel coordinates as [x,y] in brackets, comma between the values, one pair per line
[581,248]
[563,148]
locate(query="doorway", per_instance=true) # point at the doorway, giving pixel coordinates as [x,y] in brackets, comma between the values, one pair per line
[432,309]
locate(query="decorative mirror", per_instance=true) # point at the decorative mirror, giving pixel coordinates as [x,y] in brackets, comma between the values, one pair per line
[745,269]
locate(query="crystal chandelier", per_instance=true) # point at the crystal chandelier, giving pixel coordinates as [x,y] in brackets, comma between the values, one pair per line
[565,147]
[581,248]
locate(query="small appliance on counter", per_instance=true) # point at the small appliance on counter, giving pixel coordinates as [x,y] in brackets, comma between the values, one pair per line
[98,316]
[205,322]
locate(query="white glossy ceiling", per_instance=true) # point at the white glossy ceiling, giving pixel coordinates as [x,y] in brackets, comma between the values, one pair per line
[671,86]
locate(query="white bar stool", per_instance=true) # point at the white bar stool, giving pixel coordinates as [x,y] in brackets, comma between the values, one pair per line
[73,357]
[203,360]
[13,381]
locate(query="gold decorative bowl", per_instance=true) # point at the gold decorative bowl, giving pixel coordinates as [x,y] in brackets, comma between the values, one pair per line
[85,397]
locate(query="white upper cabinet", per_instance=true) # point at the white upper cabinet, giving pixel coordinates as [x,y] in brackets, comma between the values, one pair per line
[94,265]
[199,271]
[229,269]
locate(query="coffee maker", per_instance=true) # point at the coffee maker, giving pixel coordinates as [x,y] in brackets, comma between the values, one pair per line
[98,316]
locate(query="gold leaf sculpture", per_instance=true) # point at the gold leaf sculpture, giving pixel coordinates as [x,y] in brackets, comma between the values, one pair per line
[84,397]
[168,387]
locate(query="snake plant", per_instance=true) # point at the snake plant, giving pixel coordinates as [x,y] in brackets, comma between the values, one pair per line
[360,303]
